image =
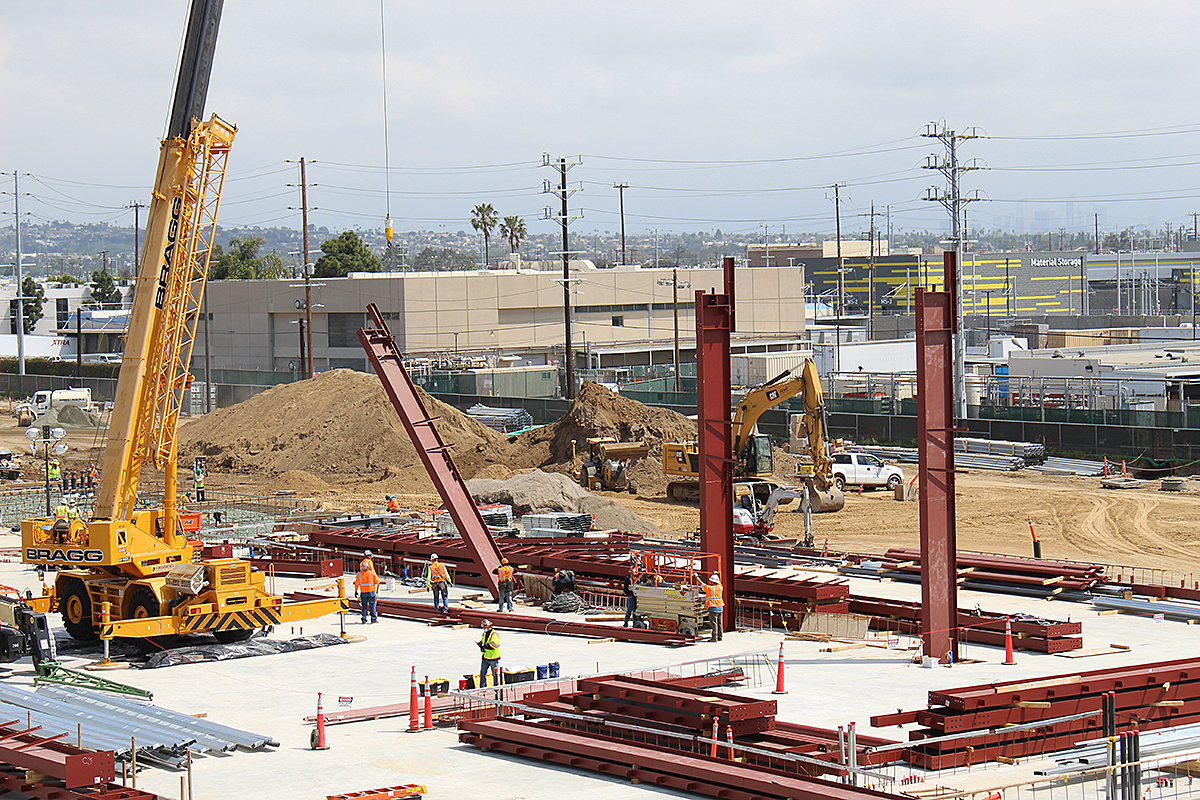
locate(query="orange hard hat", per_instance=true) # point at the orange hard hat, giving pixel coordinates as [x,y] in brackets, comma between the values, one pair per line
[504,561]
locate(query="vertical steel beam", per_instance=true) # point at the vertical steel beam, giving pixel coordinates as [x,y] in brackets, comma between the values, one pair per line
[387,360]
[714,324]
[935,409]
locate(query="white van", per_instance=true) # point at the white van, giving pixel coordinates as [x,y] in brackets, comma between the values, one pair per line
[46,400]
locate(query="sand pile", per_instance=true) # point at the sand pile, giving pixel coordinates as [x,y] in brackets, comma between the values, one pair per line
[341,427]
[597,411]
[541,492]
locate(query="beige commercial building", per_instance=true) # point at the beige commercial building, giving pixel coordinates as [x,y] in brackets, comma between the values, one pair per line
[513,314]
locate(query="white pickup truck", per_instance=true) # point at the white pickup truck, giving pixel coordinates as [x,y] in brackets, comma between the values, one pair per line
[866,470]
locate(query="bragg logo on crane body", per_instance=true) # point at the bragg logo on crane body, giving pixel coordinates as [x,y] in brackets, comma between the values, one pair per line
[70,555]
[160,296]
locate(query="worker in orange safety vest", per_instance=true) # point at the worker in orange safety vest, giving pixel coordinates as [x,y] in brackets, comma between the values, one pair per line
[393,505]
[437,577]
[507,582]
[366,585]
[715,604]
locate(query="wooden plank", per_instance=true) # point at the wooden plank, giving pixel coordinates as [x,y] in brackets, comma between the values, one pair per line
[1042,684]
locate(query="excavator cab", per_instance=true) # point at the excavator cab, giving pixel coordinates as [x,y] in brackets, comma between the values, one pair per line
[757,457]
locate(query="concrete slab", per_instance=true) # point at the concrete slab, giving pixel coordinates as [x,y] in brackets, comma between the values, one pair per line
[273,694]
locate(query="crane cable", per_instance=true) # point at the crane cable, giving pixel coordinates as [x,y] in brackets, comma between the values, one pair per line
[387,225]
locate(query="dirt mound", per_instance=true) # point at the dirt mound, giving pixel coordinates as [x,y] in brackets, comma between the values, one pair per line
[298,481]
[543,492]
[70,417]
[596,411]
[339,426]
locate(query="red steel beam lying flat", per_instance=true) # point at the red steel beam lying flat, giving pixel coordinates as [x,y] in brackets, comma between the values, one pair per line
[515,622]
[74,766]
[1068,685]
[699,703]
[20,781]
[385,356]
[674,769]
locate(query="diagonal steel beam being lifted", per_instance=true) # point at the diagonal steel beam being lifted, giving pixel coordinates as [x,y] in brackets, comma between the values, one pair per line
[387,359]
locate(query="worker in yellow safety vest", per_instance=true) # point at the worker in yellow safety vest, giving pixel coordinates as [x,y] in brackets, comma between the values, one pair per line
[507,582]
[489,645]
[715,604]
[62,523]
[53,471]
[366,584]
[437,577]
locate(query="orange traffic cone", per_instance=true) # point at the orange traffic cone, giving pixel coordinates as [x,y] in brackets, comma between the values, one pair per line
[428,705]
[318,738]
[779,677]
[729,741]
[1008,649]
[712,750]
[414,720]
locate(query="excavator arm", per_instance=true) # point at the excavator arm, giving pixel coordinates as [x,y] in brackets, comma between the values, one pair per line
[761,399]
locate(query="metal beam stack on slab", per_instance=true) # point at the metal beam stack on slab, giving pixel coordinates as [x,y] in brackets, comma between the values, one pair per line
[974,724]
[1054,577]
[659,732]
[1046,636]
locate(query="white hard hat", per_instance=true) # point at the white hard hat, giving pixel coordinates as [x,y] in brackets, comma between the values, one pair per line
[368,554]
[715,577]
[487,623]
[433,556]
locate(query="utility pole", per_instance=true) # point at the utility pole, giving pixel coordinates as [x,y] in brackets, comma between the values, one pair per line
[104,260]
[1097,216]
[871,281]
[565,220]
[953,201]
[621,187]
[137,258]
[20,278]
[766,244]
[308,367]
[675,293]
[1195,228]
[837,328]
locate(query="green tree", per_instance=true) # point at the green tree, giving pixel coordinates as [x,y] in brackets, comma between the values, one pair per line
[442,259]
[344,255]
[104,291]
[513,229]
[32,304]
[239,262]
[483,219]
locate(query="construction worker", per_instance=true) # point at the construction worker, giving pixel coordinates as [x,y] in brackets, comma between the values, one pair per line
[366,584]
[368,562]
[715,604]
[564,581]
[62,523]
[198,479]
[93,476]
[53,472]
[489,645]
[437,577]
[630,598]
[507,574]
[393,505]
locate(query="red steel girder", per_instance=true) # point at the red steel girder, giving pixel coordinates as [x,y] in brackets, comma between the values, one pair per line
[515,622]
[936,326]
[661,767]
[13,779]
[1067,685]
[714,324]
[74,766]
[388,361]
[700,705]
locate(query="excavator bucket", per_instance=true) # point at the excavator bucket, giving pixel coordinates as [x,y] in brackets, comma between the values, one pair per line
[825,500]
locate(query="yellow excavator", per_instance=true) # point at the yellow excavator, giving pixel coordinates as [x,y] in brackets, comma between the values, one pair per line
[752,453]
[130,570]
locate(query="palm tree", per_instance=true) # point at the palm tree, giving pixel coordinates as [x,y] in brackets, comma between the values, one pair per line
[483,218]
[513,229]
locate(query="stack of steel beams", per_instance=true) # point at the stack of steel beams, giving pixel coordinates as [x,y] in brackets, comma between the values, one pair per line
[1029,633]
[974,724]
[658,732]
[1002,573]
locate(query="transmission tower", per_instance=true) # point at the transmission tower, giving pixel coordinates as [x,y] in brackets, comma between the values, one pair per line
[952,199]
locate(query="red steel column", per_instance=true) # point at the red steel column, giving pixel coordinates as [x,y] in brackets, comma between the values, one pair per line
[714,324]
[935,432]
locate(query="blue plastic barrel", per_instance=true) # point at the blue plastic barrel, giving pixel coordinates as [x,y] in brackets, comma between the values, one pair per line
[543,671]
[553,665]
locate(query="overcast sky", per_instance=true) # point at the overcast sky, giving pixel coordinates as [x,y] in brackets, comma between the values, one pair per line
[717,115]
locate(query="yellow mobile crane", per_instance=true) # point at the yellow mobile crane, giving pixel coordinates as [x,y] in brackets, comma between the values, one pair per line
[752,450]
[138,563]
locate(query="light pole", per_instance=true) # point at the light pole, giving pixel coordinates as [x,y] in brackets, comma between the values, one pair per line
[988,308]
[46,436]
